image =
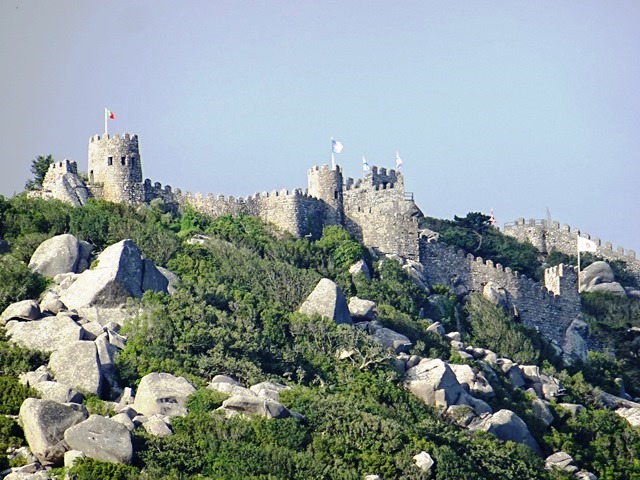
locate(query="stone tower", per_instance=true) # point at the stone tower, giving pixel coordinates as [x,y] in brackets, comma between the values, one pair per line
[115,168]
[326,184]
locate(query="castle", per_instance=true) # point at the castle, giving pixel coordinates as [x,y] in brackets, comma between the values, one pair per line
[375,209]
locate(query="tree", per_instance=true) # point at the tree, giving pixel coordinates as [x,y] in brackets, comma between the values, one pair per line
[39,167]
[475,222]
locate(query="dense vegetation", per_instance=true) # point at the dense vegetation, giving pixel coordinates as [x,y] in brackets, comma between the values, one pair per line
[235,313]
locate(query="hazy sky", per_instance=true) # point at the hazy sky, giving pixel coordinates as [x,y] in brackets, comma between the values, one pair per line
[517,106]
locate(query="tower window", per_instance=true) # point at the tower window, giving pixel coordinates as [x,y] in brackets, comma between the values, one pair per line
[335,194]
[109,160]
[123,160]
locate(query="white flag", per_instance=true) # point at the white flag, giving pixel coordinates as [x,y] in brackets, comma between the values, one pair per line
[336,146]
[586,245]
[365,166]
[398,161]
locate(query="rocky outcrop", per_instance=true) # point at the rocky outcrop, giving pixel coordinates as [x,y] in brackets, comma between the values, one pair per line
[162,394]
[60,254]
[101,438]
[474,383]
[44,423]
[327,300]
[121,273]
[597,272]
[506,425]
[433,381]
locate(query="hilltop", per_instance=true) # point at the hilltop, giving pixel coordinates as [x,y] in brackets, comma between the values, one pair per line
[376,342]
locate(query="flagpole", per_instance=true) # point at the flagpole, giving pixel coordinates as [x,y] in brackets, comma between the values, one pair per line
[105,122]
[578,266]
[578,271]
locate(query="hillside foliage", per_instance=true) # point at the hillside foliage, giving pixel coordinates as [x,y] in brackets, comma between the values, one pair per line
[235,313]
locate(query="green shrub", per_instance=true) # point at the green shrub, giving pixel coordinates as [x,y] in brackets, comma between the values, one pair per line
[90,469]
[17,282]
[492,328]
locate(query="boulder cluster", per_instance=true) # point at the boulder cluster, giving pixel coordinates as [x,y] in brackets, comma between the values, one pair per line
[599,277]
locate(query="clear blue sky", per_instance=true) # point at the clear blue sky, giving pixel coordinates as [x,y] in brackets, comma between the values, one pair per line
[515,106]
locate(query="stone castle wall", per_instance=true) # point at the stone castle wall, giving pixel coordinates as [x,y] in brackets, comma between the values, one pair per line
[549,309]
[547,236]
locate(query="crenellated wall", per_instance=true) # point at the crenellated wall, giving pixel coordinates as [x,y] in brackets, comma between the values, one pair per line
[546,236]
[548,309]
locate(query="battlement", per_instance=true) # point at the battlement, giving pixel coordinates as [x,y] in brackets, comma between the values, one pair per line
[65,166]
[115,138]
[522,229]
[540,307]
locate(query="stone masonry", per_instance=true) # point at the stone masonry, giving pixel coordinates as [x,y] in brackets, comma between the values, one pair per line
[549,309]
[547,236]
[375,209]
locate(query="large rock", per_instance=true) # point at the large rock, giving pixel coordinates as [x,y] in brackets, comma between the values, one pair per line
[544,386]
[631,415]
[59,254]
[57,392]
[77,366]
[433,382]
[361,309]
[269,390]
[394,340]
[111,389]
[254,405]
[24,310]
[574,344]
[327,300]
[162,394]
[495,294]
[597,272]
[360,267]
[561,461]
[102,439]
[423,461]
[172,279]
[47,335]
[612,288]
[228,385]
[44,423]
[474,383]
[70,188]
[506,425]
[119,275]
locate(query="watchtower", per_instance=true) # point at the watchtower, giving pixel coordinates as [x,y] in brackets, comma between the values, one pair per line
[115,168]
[326,184]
